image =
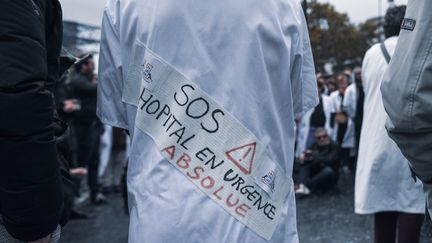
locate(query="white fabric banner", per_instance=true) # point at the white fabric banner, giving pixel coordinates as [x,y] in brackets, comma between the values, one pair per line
[206,143]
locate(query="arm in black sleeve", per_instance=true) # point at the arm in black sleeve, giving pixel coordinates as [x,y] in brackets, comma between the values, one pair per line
[329,159]
[88,109]
[86,92]
[81,84]
[332,119]
[30,187]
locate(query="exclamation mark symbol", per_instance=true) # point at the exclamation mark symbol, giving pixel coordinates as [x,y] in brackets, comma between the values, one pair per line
[246,154]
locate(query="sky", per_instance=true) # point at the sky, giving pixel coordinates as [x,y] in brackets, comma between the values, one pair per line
[360,10]
[90,11]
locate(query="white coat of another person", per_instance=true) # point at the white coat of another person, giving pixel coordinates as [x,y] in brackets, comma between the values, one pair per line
[349,105]
[384,185]
[353,106]
[342,125]
[209,92]
[313,119]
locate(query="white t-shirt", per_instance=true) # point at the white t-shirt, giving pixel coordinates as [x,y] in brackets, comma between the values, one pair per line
[253,59]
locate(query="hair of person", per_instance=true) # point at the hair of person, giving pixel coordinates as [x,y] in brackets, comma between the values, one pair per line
[393,20]
[320,82]
[320,130]
[357,69]
[331,81]
[342,78]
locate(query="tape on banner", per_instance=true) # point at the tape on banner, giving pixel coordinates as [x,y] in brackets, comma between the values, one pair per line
[206,143]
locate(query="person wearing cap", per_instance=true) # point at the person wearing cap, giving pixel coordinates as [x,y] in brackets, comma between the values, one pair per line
[209,93]
[384,186]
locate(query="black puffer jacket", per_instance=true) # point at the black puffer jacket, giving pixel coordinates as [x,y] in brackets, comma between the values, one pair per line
[327,155]
[31,197]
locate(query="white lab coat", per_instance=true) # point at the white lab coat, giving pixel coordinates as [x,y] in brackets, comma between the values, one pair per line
[254,59]
[383,178]
[304,126]
[349,137]
[350,100]
[105,149]
[349,105]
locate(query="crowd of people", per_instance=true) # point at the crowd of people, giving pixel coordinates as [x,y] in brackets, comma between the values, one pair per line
[347,129]
[210,159]
[328,135]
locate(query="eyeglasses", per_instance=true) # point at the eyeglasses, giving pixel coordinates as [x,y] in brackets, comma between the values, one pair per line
[321,137]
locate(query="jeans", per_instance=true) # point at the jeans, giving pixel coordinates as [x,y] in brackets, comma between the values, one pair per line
[317,177]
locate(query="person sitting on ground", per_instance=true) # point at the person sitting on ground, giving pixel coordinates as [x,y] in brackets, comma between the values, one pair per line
[319,165]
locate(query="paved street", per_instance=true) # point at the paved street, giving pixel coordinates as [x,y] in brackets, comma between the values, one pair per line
[107,224]
[327,218]
[330,218]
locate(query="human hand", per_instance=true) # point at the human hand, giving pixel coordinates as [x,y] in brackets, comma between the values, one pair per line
[302,158]
[94,79]
[307,156]
[70,105]
[78,172]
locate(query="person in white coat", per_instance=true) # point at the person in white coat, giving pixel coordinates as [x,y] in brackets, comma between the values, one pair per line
[349,106]
[342,125]
[313,119]
[353,103]
[208,92]
[384,185]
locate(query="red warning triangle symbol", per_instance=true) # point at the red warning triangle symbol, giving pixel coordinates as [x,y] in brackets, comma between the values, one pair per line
[243,157]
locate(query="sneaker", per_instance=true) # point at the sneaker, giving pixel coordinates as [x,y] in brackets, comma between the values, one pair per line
[346,170]
[82,198]
[302,190]
[99,199]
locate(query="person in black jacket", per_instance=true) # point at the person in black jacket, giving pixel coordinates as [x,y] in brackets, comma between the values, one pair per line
[31,196]
[319,165]
[86,125]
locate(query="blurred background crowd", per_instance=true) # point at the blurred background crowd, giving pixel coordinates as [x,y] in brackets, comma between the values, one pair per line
[97,153]
[330,133]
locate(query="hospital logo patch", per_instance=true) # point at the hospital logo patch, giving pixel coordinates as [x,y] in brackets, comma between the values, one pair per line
[408,24]
[147,72]
[269,180]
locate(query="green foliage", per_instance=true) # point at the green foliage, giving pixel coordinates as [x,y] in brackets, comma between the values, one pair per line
[335,39]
